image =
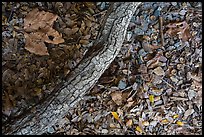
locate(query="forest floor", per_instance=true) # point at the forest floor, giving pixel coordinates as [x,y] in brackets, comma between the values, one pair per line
[153,87]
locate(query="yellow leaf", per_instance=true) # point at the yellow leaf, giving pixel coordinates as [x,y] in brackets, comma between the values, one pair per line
[175,116]
[151,98]
[164,121]
[115,115]
[138,129]
[179,123]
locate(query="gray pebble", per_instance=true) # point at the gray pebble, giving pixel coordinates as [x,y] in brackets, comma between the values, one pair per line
[6,34]
[138,31]
[146,6]
[122,84]
[103,5]
[170,48]
[162,59]
[157,12]
[149,32]
[154,43]
[39,4]
[169,17]
[142,52]
[174,3]
[191,94]
[145,26]
[182,12]
[104,131]
[50,130]
[159,102]
[98,3]
[129,35]
[177,44]
[24,131]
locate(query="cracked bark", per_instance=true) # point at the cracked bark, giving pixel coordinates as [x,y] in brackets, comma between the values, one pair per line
[81,80]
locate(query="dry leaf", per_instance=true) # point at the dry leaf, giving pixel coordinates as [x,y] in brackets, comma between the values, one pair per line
[142,69]
[179,123]
[88,23]
[89,4]
[179,28]
[112,125]
[129,104]
[175,116]
[115,115]
[146,77]
[129,123]
[74,30]
[138,129]
[87,37]
[34,45]
[7,105]
[159,71]
[40,23]
[164,121]
[68,32]
[188,113]
[91,18]
[57,38]
[38,19]
[140,123]
[106,80]
[84,42]
[151,98]
[117,97]
[145,123]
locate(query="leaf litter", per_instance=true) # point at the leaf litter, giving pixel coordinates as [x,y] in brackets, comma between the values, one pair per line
[38,29]
[179,100]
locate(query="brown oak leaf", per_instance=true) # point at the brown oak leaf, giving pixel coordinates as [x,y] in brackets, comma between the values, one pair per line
[38,29]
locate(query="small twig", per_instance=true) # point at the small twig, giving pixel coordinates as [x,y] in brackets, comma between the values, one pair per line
[12,10]
[129,65]
[178,98]
[169,84]
[100,13]
[161,31]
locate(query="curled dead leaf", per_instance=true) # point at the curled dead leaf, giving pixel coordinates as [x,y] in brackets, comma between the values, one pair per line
[179,28]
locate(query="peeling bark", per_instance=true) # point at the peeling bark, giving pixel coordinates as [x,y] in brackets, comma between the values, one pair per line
[82,79]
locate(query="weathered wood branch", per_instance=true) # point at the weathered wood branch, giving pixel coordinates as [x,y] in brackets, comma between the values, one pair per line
[82,79]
